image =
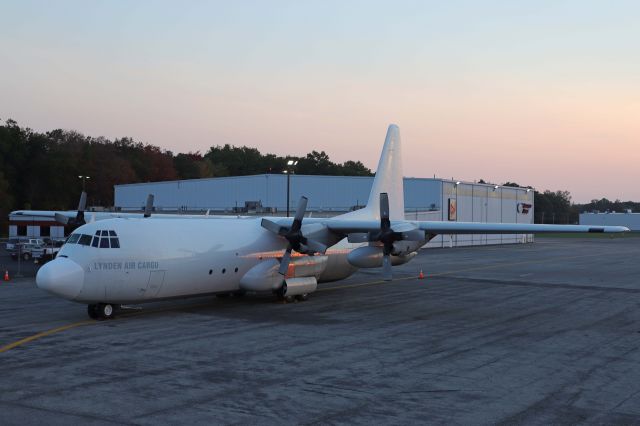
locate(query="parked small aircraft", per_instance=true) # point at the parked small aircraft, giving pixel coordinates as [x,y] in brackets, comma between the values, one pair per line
[140,259]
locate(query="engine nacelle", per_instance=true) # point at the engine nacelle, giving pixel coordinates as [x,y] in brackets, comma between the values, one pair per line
[371,257]
[265,277]
[297,286]
[262,277]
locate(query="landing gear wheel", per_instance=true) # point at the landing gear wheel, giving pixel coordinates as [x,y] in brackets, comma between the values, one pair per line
[26,256]
[106,310]
[289,299]
[92,310]
[303,297]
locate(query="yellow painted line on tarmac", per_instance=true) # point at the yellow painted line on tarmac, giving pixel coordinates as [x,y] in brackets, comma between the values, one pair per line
[88,322]
[43,334]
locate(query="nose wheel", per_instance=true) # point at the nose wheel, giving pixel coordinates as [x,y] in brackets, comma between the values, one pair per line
[101,311]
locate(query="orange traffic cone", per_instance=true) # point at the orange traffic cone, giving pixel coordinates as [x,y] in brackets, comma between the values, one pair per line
[421,276]
[6,275]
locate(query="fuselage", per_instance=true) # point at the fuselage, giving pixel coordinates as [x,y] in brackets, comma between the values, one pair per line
[127,260]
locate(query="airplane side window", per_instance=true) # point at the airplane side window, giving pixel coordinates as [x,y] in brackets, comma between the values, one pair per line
[112,234]
[95,242]
[85,240]
[115,243]
[73,238]
[104,242]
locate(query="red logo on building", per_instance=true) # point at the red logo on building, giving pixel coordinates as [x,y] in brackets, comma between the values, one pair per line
[524,208]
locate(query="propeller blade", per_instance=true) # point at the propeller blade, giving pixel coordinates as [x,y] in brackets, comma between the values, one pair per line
[272,226]
[83,202]
[384,206]
[60,218]
[300,211]
[284,263]
[386,268]
[79,221]
[315,246]
[358,237]
[148,208]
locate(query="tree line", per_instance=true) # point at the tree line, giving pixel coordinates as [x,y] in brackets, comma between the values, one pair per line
[40,170]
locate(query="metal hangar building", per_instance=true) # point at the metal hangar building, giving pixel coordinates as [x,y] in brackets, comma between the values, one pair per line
[425,199]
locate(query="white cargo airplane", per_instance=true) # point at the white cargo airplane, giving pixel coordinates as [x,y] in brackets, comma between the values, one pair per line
[133,260]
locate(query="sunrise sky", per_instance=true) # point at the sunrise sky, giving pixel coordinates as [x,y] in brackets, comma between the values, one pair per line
[543,93]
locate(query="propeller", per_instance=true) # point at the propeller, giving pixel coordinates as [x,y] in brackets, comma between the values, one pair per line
[148,208]
[388,236]
[297,241]
[79,219]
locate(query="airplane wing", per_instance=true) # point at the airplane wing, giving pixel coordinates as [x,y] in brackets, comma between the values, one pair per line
[343,226]
[433,227]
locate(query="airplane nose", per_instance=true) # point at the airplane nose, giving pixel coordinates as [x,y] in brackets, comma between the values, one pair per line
[62,277]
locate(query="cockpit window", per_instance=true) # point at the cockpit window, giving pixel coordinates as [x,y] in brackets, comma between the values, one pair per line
[73,238]
[84,240]
[102,239]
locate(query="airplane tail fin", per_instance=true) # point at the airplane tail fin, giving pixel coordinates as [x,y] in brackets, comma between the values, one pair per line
[388,179]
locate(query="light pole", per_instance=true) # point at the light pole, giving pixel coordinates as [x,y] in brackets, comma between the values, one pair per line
[457,206]
[288,171]
[83,180]
[495,188]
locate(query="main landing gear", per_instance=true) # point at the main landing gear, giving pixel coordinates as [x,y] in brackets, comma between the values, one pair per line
[102,311]
[290,299]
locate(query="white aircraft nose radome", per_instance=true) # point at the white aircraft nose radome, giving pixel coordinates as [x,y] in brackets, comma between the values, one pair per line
[62,277]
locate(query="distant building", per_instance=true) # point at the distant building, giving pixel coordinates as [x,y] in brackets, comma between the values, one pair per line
[33,223]
[630,220]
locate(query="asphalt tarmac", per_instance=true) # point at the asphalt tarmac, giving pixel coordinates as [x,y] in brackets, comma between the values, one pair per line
[537,334]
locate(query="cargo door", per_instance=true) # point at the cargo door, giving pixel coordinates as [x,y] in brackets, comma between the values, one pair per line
[156,279]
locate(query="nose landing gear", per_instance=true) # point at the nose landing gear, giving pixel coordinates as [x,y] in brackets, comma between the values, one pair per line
[102,311]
